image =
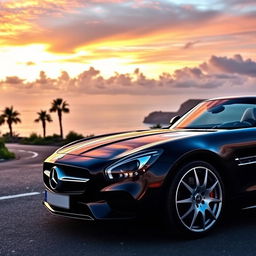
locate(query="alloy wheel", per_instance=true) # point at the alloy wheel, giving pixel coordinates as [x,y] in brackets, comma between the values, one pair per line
[198,199]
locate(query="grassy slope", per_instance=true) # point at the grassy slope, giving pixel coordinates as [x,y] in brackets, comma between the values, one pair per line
[4,152]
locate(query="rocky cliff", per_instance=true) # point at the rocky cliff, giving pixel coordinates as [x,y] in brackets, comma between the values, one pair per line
[159,117]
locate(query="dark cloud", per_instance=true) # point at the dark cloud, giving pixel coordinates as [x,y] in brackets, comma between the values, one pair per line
[191,44]
[235,65]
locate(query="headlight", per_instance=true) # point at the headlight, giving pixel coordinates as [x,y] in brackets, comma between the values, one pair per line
[132,166]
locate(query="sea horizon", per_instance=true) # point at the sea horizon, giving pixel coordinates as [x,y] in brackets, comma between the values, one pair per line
[86,120]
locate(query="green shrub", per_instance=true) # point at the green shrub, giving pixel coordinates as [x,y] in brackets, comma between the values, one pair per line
[156,126]
[35,139]
[4,152]
[8,139]
[55,139]
[72,136]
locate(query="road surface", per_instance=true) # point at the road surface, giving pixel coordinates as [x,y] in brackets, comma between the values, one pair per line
[26,228]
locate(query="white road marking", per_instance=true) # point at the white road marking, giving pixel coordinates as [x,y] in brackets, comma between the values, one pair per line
[34,154]
[19,195]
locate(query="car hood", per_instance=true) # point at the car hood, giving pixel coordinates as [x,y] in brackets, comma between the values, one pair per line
[118,145]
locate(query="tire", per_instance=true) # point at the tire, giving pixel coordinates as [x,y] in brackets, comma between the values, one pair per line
[195,199]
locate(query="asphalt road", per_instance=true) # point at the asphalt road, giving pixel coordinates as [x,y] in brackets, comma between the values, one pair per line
[27,228]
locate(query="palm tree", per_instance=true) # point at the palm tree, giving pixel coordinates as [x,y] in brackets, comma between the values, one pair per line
[59,106]
[44,117]
[1,120]
[10,116]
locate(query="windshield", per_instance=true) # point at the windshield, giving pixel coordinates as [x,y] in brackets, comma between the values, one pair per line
[220,114]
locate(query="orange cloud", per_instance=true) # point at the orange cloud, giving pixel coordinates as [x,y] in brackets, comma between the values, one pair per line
[64,27]
[135,32]
[21,17]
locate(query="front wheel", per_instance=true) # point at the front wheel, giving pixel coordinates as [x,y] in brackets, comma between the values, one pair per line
[195,199]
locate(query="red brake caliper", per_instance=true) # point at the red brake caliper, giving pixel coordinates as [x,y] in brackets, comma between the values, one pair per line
[212,194]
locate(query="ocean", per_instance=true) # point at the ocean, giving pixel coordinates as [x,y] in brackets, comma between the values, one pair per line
[89,114]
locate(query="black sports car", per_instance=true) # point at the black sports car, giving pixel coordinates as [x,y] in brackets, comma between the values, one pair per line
[187,172]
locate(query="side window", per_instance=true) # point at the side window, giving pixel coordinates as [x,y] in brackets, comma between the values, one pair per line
[249,115]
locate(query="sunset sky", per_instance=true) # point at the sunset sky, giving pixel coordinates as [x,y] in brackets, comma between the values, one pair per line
[117,56]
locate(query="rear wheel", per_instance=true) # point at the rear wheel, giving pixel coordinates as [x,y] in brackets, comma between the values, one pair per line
[195,199]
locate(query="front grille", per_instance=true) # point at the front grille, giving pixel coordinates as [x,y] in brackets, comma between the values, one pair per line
[89,191]
[75,184]
[69,170]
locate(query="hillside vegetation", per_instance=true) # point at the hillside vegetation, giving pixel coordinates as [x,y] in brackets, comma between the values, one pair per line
[4,152]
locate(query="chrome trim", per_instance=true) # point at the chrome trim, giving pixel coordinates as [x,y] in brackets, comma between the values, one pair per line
[54,177]
[47,173]
[252,162]
[249,207]
[73,179]
[246,160]
[68,214]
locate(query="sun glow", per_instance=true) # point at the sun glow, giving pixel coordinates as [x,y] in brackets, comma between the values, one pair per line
[27,61]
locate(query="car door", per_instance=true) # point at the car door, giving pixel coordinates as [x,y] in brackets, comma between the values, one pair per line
[243,155]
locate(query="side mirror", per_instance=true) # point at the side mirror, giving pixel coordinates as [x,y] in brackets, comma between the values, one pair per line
[174,120]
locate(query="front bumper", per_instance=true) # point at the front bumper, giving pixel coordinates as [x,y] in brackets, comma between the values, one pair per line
[98,199]
[111,205]
[99,210]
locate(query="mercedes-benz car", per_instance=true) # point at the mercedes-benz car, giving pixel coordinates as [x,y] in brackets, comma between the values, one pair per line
[189,172]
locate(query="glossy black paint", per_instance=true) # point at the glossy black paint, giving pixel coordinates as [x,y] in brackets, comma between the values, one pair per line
[101,198]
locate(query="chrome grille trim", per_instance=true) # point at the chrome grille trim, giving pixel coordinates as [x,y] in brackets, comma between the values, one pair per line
[74,179]
[68,178]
